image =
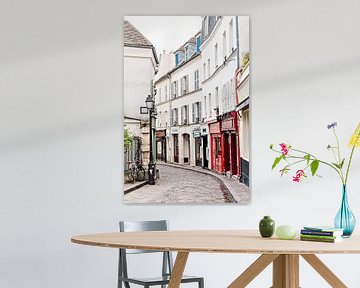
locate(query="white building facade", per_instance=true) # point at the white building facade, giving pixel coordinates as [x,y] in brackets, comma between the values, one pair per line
[198,101]
[180,124]
[220,62]
[140,65]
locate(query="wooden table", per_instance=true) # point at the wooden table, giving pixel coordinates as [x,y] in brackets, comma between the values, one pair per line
[284,254]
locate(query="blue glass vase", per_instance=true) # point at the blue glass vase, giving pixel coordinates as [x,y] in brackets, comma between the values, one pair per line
[345,219]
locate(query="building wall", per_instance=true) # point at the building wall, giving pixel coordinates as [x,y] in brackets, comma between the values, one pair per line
[224,71]
[220,74]
[139,70]
[164,110]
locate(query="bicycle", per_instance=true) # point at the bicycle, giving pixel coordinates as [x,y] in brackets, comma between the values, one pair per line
[136,172]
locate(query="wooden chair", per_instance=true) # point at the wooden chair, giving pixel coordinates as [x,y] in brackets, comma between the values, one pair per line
[167,262]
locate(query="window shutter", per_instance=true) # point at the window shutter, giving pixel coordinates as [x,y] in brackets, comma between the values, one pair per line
[193,112]
[200,112]
[182,114]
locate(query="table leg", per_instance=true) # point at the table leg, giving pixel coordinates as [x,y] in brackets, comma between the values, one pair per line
[253,270]
[178,269]
[286,271]
[324,271]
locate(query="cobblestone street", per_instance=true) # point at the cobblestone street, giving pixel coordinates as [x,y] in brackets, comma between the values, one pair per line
[183,185]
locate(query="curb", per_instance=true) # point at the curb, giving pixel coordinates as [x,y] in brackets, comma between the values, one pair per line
[137,186]
[205,172]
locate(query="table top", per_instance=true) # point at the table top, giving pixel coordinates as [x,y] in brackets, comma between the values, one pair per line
[216,241]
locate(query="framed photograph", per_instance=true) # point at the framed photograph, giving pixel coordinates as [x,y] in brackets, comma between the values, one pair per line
[186,109]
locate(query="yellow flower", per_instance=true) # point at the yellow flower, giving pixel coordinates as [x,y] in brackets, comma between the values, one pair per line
[355,138]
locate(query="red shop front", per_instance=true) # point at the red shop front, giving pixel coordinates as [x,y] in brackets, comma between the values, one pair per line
[224,145]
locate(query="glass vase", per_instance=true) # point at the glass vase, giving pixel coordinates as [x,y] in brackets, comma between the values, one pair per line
[345,219]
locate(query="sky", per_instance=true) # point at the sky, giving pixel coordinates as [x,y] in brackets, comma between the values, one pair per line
[166,32]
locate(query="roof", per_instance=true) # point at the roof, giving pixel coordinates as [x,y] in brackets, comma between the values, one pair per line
[191,40]
[196,54]
[133,37]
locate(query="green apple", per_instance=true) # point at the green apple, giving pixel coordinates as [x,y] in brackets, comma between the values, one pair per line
[285,232]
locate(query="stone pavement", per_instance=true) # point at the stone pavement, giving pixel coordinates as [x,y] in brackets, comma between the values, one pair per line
[184,184]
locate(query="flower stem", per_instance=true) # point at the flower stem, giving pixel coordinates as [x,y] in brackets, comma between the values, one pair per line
[338,150]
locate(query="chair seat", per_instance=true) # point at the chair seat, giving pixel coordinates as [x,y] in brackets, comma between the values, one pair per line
[158,280]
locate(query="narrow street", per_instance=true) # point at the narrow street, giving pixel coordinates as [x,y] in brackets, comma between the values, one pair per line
[179,185]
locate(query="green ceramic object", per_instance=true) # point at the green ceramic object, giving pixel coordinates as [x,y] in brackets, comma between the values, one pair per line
[266,227]
[285,232]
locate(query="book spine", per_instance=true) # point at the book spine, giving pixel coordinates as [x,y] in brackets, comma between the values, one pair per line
[320,233]
[317,239]
[319,236]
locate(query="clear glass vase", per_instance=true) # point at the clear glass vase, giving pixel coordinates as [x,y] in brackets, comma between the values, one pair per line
[345,219]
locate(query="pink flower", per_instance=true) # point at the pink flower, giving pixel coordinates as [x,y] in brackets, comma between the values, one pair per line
[284,148]
[300,175]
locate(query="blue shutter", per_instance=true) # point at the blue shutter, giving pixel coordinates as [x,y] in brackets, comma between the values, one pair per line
[176,59]
[198,43]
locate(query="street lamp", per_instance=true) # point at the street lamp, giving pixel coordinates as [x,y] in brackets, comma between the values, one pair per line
[150,104]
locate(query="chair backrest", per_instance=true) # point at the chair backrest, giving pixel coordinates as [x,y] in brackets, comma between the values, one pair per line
[137,226]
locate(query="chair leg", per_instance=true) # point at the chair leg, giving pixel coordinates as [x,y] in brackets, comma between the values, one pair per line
[201,283]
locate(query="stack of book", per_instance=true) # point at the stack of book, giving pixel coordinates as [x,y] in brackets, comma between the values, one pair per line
[321,234]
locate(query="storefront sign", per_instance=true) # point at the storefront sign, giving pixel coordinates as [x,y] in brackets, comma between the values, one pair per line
[160,133]
[174,130]
[196,132]
[214,128]
[228,124]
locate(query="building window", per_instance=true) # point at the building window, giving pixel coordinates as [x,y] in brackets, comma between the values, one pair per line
[216,52]
[166,118]
[231,35]
[174,89]
[224,45]
[225,98]
[217,98]
[208,63]
[184,85]
[232,99]
[165,93]
[185,115]
[186,52]
[204,71]
[196,112]
[174,117]
[205,114]
[196,80]
[210,111]
[217,146]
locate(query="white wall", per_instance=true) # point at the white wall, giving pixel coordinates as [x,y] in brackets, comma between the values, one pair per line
[223,74]
[61,121]
[137,82]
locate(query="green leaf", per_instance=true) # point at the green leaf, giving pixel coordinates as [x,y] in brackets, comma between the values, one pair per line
[314,166]
[276,162]
[336,165]
[342,163]
[307,157]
